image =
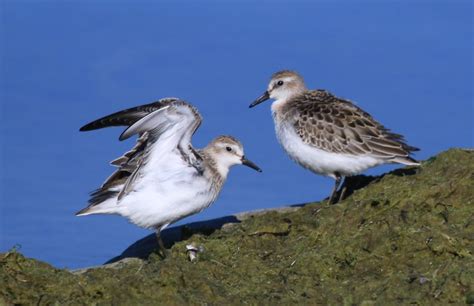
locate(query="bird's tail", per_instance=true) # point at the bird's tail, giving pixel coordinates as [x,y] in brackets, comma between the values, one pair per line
[406,160]
[107,207]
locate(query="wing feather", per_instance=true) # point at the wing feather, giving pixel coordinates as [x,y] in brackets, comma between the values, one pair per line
[128,116]
[166,130]
[155,121]
[336,125]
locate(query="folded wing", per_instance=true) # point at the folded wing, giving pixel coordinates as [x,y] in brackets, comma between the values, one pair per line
[336,125]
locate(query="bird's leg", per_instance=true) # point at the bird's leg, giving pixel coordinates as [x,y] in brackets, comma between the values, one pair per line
[161,245]
[347,180]
[336,186]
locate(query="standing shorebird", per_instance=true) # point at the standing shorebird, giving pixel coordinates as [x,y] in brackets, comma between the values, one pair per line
[329,135]
[163,179]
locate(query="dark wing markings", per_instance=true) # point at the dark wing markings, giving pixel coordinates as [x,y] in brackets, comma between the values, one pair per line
[336,125]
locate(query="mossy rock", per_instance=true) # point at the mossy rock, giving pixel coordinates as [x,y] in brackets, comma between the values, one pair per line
[405,238]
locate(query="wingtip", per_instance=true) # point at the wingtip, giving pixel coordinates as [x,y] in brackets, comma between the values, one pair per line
[82,212]
[86,128]
[123,136]
[408,161]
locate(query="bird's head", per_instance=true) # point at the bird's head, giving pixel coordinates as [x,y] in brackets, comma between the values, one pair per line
[227,151]
[283,85]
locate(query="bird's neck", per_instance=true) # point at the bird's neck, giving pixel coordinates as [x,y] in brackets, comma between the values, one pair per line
[215,171]
[277,106]
[284,99]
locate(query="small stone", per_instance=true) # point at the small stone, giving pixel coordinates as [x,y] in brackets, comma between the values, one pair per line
[193,250]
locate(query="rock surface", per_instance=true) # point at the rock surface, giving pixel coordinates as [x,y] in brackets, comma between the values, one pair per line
[401,238]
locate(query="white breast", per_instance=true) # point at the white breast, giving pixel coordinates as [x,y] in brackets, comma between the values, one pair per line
[168,195]
[317,160]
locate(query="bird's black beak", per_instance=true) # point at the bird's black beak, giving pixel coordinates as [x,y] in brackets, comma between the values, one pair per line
[260,99]
[250,164]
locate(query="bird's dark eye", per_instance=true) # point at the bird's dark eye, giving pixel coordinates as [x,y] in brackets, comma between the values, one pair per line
[228,149]
[280,83]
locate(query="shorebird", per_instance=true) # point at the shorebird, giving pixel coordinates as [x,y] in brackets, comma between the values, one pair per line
[163,178]
[329,135]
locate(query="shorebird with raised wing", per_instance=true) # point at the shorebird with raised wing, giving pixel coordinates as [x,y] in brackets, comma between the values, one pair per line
[329,135]
[163,178]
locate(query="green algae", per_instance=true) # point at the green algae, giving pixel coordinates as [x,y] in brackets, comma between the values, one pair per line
[405,238]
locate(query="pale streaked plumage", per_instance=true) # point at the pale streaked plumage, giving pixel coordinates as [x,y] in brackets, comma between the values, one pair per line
[163,179]
[329,135]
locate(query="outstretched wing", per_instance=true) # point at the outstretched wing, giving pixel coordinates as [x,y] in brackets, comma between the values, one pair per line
[167,130]
[336,125]
[128,116]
